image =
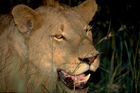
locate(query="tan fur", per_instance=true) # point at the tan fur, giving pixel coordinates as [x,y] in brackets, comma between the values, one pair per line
[31,53]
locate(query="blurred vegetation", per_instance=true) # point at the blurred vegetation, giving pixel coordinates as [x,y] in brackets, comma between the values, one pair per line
[116,34]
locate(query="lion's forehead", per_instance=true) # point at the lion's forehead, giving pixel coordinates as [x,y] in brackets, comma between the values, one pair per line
[72,25]
[65,16]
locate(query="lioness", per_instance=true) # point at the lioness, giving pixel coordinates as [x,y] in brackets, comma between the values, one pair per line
[48,49]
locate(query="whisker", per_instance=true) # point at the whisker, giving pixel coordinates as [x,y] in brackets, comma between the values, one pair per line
[104,69]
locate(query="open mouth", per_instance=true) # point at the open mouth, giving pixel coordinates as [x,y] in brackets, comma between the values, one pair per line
[74,81]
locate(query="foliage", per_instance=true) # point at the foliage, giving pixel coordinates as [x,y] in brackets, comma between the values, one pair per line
[118,40]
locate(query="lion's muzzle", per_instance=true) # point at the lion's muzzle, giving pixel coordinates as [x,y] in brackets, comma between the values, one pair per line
[79,79]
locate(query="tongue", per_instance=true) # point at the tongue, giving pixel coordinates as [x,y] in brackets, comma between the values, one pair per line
[78,80]
[79,77]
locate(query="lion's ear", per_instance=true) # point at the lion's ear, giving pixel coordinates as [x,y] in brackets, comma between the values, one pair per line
[25,18]
[87,9]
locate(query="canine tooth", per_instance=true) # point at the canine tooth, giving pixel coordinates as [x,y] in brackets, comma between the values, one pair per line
[87,77]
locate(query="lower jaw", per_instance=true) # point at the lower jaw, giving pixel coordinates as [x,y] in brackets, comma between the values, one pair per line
[65,89]
[73,86]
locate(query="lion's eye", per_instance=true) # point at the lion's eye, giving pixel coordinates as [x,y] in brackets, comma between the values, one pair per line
[88,28]
[59,37]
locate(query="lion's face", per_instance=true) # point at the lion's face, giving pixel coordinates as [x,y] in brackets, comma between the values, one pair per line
[59,43]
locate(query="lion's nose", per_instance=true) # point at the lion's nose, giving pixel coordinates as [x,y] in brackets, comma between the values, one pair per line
[89,60]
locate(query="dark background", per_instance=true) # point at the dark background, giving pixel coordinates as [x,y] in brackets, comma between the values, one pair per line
[116,34]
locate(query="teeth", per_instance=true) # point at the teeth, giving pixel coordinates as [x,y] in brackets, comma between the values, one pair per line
[87,77]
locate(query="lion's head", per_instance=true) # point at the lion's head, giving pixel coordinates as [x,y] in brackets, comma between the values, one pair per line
[53,47]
